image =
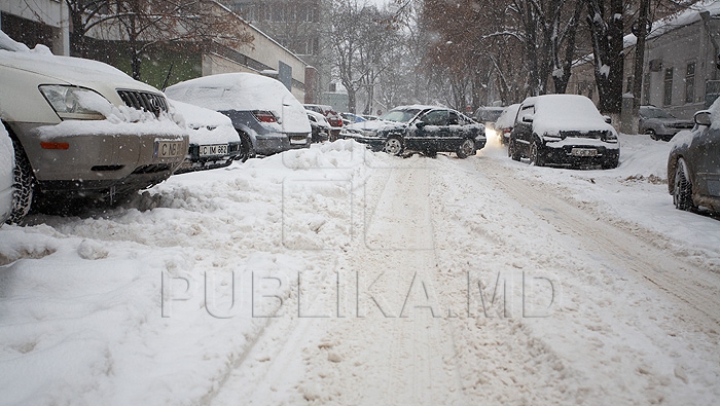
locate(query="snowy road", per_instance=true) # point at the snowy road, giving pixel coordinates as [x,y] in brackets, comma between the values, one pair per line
[366,279]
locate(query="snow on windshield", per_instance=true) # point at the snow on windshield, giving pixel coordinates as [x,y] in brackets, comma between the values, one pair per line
[555,113]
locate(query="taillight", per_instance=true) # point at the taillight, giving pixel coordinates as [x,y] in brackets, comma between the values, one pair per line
[264,116]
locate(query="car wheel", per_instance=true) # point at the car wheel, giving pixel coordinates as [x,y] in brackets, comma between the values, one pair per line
[466,149]
[611,164]
[512,150]
[652,134]
[246,148]
[23,183]
[536,157]
[682,190]
[393,145]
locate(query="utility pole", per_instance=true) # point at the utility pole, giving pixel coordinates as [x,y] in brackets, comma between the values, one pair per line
[641,29]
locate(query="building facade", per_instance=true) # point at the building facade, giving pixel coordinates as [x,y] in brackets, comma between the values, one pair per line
[47,22]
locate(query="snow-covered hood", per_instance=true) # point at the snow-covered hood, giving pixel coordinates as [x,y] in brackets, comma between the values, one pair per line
[205,126]
[375,126]
[70,70]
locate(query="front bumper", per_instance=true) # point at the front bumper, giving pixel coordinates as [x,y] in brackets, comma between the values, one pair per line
[269,144]
[571,155]
[95,158]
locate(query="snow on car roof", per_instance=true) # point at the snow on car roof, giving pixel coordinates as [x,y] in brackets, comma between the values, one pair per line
[559,112]
[233,91]
[243,92]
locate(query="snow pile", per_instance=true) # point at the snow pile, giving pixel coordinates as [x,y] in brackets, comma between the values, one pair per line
[155,307]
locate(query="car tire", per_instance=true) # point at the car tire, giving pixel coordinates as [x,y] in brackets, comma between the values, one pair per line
[682,190]
[466,149]
[513,153]
[652,134]
[536,157]
[247,150]
[23,183]
[611,163]
[393,145]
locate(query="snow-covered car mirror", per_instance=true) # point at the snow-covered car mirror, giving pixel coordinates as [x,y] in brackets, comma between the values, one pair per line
[608,119]
[420,124]
[702,118]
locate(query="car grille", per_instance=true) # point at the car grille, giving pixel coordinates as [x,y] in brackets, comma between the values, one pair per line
[596,135]
[145,101]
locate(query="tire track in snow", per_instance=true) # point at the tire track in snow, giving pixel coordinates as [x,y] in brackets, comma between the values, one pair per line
[688,284]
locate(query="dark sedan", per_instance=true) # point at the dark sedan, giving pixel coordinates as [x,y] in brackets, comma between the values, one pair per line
[428,129]
[659,124]
[694,164]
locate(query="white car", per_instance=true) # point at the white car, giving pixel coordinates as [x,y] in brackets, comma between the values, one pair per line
[267,116]
[320,126]
[7,167]
[82,130]
[214,143]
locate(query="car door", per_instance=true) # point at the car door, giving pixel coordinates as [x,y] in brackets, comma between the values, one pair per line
[523,128]
[429,128]
[706,159]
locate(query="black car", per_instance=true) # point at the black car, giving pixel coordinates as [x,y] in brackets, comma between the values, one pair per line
[694,165]
[428,129]
[563,130]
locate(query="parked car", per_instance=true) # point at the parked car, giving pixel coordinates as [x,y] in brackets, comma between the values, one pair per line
[429,129]
[694,163]
[7,175]
[562,129]
[82,130]
[349,118]
[659,124]
[267,116]
[333,117]
[214,143]
[320,126]
[506,121]
[487,115]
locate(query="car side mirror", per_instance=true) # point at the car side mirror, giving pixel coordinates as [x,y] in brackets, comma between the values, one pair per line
[528,118]
[702,118]
[420,125]
[608,119]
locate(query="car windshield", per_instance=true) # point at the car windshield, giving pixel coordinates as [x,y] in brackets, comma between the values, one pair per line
[400,116]
[655,113]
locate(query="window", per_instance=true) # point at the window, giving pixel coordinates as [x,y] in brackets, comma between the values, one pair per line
[629,85]
[646,89]
[667,95]
[690,83]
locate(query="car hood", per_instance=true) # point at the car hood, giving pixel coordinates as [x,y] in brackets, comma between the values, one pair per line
[669,121]
[376,126]
[205,126]
[71,71]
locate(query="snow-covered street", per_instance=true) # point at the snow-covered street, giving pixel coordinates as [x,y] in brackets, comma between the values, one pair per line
[336,275]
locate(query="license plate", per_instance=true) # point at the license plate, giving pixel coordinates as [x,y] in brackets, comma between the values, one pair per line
[219,149]
[298,140]
[583,152]
[169,149]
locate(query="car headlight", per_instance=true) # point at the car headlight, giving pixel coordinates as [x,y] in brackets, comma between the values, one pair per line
[76,103]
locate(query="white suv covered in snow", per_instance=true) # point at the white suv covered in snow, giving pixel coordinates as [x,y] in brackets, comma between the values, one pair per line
[82,129]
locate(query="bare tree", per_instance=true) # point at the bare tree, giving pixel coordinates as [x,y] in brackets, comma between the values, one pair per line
[360,36]
[147,23]
[605,19]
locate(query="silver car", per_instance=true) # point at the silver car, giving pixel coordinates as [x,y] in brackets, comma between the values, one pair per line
[81,130]
[661,125]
